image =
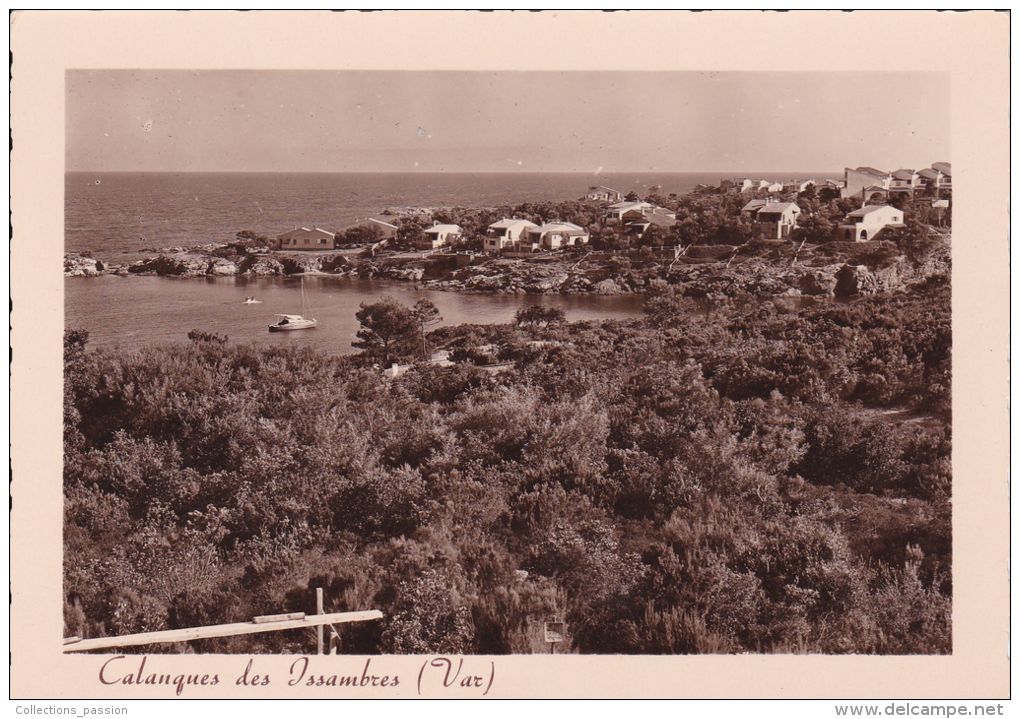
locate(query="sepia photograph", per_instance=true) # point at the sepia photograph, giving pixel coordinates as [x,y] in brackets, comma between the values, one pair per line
[510,355]
[484,362]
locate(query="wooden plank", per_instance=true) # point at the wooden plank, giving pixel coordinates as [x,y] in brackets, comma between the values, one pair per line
[220,630]
[266,618]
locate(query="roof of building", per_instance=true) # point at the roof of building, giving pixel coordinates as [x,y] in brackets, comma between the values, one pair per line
[562,227]
[868,209]
[778,207]
[439,229]
[603,187]
[659,220]
[944,167]
[372,220]
[511,222]
[928,173]
[306,230]
[753,206]
[903,174]
[629,205]
[872,171]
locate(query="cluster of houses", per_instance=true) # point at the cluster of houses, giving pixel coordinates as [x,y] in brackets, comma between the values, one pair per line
[773,187]
[513,235]
[872,185]
[776,220]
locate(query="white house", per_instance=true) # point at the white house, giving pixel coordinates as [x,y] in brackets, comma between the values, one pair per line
[776,219]
[505,234]
[868,222]
[603,194]
[751,208]
[936,178]
[905,181]
[618,210]
[775,187]
[306,238]
[637,223]
[797,185]
[865,182]
[553,235]
[438,235]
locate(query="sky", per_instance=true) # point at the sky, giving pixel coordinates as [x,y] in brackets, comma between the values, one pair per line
[588,122]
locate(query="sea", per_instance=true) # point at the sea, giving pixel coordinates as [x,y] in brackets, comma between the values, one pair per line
[122,216]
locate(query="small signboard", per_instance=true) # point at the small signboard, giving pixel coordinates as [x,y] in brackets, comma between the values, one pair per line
[554,632]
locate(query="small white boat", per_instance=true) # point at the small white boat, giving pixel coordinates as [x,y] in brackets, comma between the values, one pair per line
[251,301]
[289,323]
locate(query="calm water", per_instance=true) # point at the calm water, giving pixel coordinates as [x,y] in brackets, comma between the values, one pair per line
[112,213]
[133,311]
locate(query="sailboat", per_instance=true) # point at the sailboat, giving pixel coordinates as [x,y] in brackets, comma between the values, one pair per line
[289,323]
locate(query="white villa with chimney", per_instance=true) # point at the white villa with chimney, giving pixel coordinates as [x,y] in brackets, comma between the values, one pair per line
[439,235]
[505,234]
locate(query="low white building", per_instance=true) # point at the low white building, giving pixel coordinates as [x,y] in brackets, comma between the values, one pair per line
[306,238]
[869,222]
[505,234]
[603,194]
[554,235]
[439,235]
[618,210]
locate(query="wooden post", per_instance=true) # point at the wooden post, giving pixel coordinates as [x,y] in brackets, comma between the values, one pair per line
[334,640]
[318,610]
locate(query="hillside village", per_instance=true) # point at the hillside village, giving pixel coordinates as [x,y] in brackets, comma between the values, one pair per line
[750,236]
[772,212]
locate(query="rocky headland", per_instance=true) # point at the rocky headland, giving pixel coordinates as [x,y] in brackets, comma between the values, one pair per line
[759,269]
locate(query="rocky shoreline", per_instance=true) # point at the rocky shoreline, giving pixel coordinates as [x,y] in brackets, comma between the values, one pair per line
[764,269]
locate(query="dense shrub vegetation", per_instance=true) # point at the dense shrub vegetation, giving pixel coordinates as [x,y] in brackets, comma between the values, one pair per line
[724,480]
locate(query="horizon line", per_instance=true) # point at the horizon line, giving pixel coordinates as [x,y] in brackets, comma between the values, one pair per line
[446,172]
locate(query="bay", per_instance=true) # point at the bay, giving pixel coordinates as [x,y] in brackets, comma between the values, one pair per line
[130,312]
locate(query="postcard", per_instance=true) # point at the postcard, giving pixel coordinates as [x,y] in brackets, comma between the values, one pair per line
[558,354]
